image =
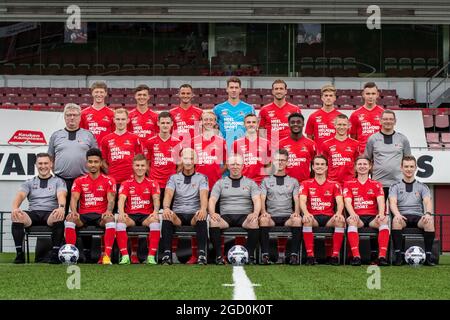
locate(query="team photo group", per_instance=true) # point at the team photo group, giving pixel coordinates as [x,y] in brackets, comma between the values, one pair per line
[227,167]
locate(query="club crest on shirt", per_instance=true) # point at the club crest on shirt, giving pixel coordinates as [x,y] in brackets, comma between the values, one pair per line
[354,191]
[146,191]
[348,149]
[312,191]
[319,119]
[89,117]
[127,142]
[224,112]
[100,188]
[271,114]
[333,148]
[361,117]
[106,119]
[327,193]
[370,191]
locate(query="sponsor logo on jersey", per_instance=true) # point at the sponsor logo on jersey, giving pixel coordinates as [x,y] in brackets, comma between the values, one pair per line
[370,191]
[348,149]
[327,193]
[312,191]
[127,142]
[333,148]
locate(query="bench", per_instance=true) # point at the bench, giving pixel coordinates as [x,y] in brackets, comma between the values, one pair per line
[141,232]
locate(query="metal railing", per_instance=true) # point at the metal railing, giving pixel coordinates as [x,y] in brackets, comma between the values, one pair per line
[429,84]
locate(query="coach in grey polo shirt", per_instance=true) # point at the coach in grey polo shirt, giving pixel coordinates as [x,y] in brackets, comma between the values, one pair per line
[280,207]
[68,147]
[185,203]
[240,205]
[411,205]
[386,149]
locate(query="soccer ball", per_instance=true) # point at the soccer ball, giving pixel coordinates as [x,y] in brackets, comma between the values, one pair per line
[238,255]
[68,254]
[415,256]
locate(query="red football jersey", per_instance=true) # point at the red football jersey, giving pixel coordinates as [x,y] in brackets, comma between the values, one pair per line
[301,153]
[93,192]
[341,157]
[364,196]
[99,122]
[275,119]
[119,151]
[163,157]
[211,154]
[320,124]
[144,125]
[256,154]
[365,123]
[139,195]
[186,123]
[321,197]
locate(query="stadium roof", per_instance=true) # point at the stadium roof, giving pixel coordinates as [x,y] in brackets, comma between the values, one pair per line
[259,11]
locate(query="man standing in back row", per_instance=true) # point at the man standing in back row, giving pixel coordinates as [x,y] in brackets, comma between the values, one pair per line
[230,114]
[386,149]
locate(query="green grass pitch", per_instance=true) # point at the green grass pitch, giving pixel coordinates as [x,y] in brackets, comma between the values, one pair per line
[179,282]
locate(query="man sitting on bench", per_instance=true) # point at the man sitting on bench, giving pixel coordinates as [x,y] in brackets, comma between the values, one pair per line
[240,205]
[95,193]
[410,202]
[138,206]
[187,194]
[46,196]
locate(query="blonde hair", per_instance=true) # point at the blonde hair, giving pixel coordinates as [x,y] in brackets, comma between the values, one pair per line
[121,110]
[328,88]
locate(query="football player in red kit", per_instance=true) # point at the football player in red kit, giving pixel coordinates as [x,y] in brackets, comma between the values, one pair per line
[341,152]
[365,121]
[186,116]
[322,206]
[120,147]
[98,118]
[92,203]
[162,152]
[273,117]
[301,149]
[320,126]
[143,120]
[364,201]
[254,150]
[138,206]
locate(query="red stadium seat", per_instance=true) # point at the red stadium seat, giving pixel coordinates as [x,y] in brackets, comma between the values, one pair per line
[428,121]
[254,99]
[432,137]
[445,137]
[299,100]
[442,121]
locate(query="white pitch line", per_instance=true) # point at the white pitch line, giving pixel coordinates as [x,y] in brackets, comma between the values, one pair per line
[243,287]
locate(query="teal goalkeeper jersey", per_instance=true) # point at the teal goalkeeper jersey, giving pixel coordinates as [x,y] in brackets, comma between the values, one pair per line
[231,119]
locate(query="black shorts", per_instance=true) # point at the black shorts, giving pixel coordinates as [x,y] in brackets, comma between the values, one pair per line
[234,220]
[367,220]
[322,219]
[39,218]
[412,220]
[185,219]
[138,218]
[280,221]
[91,219]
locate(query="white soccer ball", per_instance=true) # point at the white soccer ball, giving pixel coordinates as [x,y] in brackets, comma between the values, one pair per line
[415,256]
[238,255]
[68,254]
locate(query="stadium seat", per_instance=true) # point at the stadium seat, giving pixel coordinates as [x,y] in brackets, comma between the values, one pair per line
[428,121]
[432,137]
[445,138]
[442,121]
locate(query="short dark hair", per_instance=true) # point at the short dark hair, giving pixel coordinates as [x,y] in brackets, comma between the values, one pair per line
[235,80]
[164,114]
[363,157]
[44,155]
[248,115]
[139,157]
[370,85]
[283,152]
[296,115]
[279,81]
[409,158]
[142,87]
[186,85]
[99,85]
[94,152]
[319,156]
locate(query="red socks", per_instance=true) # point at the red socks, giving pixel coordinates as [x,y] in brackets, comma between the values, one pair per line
[338,236]
[308,238]
[353,240]
[122,238]
[383,240]
[71,234]
[153,238]
[110,234]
